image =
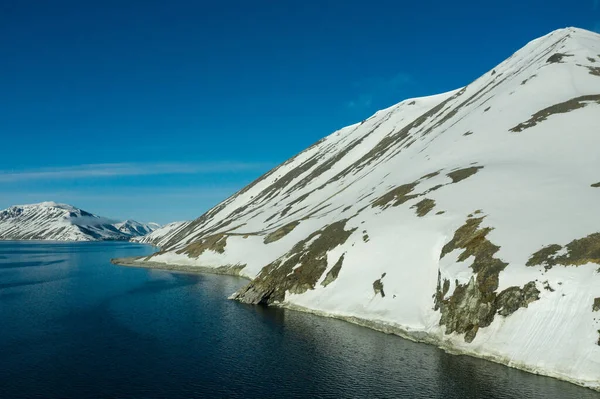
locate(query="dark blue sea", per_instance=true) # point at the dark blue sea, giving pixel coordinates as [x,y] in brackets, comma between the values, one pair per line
[72,325]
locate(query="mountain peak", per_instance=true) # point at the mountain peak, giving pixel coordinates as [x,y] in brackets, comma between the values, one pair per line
[48,204]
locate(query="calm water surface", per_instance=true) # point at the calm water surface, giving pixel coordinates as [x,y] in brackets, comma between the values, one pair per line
[74,326]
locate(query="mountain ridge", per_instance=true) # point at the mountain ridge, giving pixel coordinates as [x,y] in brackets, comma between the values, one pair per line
[468,219]
[62,222]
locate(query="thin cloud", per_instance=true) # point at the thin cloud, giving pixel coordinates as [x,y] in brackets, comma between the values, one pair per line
[377,88]
[201,193]
[92,171]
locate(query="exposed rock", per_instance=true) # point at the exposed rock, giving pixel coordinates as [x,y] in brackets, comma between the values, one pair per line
[298,270]
[594,70]
[567,106]
[378,286]
[578,252]
[215,243]
[596,306]
[280,232]
[511,299]
[528,79]
[365,236]
[473,305]
[334,272]
[397,196]
[424,206]
[462,174]
[547,286]
[557,58]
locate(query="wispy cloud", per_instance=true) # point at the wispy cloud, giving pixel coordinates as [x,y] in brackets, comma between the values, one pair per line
[92,171]
[375,89]
[202,192]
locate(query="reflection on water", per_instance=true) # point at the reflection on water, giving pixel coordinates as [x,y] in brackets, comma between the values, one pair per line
[75,326]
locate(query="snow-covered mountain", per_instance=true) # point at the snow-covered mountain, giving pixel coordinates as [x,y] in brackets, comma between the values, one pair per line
[161,235]
[62,222]
[469,219]
[136,229]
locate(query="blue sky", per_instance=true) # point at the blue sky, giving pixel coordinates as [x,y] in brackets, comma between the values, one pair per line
[158,110]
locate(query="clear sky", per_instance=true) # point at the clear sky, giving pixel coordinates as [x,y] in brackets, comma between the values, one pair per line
[158,110]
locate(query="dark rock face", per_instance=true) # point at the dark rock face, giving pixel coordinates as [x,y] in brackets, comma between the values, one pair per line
[462,174]
[299,270]
[578,252]
[474,305]
[378,286]
[596,306]
[334,272]
[557,58]
[511,299]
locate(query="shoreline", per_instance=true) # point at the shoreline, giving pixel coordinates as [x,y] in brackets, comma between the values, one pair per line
[381,326]
[233,270]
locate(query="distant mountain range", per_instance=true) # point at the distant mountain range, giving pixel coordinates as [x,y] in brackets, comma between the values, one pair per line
[62,222]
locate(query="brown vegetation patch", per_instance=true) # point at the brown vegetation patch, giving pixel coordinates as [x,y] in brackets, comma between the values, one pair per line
[594,70]
[298,270]
[280,232]
[578,252]
[424,206]
[430,175]
[396,196]
[214,243]
[462,174]
[567,106]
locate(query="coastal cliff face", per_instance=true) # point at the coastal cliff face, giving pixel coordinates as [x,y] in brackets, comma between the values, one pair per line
[469,219]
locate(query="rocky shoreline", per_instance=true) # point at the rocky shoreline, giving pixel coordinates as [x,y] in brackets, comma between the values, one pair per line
[233,270]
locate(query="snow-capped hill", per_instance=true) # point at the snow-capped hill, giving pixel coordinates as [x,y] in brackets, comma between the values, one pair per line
[57,222]
[161,235]
[470,219]
[136,229]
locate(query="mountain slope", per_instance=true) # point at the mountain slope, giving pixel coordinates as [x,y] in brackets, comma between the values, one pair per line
[469,219]
[136,229]
[161,235]
[62,222]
